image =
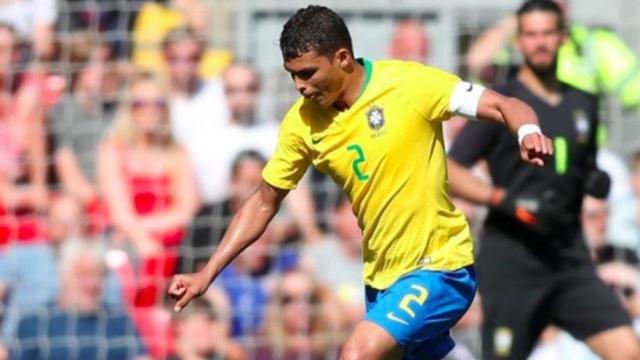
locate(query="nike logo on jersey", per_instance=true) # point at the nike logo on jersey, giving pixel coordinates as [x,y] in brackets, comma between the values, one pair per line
[470,87]
[316,141]
[392,317]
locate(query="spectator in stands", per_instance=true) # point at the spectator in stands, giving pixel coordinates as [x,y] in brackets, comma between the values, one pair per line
[23,193]
[25,269]
[242,88]
[112,20]
[198,110]
[243,130]
[336,261]
[201,334]
[78,325]
[34,21]
[246,174]
[156,19]
[301,321]
[595,221]
[79,121]
[410,41]
[624,225]
[248,280]
[146,180]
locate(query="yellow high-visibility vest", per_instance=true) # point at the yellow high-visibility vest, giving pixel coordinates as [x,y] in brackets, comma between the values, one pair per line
[599,62]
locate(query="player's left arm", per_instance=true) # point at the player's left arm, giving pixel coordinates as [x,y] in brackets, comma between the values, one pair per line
[474,100]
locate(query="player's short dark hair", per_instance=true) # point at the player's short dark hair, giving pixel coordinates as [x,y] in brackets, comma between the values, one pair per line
[314,28]
[530,6]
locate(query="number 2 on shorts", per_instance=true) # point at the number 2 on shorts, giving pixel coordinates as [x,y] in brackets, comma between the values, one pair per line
[418,298]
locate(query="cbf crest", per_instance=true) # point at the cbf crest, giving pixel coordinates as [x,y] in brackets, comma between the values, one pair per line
[582,125]
[375,117]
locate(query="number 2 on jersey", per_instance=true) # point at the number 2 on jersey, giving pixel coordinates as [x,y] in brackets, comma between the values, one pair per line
[355,165]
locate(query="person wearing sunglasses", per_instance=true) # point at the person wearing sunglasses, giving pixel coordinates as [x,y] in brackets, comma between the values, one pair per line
[300,320]
[146,180]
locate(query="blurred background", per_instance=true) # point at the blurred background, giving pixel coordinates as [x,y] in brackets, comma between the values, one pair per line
[131,132]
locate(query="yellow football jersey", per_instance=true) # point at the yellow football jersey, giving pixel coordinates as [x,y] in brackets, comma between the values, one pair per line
[387,153]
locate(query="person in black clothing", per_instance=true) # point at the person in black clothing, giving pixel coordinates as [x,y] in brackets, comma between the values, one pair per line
[207,231]
[533,265]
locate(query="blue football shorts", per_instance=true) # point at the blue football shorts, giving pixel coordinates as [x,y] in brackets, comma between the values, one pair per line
[420,307]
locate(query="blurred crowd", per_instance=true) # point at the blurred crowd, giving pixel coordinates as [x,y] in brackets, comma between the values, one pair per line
[126,145]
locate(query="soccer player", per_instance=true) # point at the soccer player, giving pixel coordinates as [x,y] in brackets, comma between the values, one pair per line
[376,129]
[533,266]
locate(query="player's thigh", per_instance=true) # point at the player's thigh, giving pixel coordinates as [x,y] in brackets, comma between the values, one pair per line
[585,306]
[513,317]
[419,309]
[370,341]
[615,344]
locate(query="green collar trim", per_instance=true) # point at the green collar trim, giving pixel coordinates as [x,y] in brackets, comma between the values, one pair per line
[368,70]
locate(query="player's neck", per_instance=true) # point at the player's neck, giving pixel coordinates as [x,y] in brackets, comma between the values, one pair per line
[352,88]
[547,87]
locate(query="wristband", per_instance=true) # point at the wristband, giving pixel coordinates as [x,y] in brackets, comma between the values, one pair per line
[527,129]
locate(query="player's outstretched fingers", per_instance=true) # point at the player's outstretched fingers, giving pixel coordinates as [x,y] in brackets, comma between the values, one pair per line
[549,146]
[185,299]
[536,144]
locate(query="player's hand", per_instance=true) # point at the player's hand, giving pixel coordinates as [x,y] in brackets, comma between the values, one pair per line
[540,213]
[186,287]
[534,148]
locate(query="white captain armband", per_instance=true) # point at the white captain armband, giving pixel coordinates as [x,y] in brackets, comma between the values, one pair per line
[465,99]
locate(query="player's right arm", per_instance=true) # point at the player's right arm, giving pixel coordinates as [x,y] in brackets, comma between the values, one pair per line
[442,95]
[246,227]
[521,120]
[281,174]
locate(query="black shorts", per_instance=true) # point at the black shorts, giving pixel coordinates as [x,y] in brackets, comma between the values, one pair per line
[521,295]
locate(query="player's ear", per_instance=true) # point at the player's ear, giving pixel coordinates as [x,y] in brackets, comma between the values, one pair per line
[343,58]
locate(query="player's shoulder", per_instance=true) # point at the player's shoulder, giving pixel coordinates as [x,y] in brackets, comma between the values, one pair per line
[413,75]
[409,68]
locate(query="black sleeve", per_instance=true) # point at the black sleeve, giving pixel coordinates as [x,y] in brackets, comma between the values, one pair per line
[474,142]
